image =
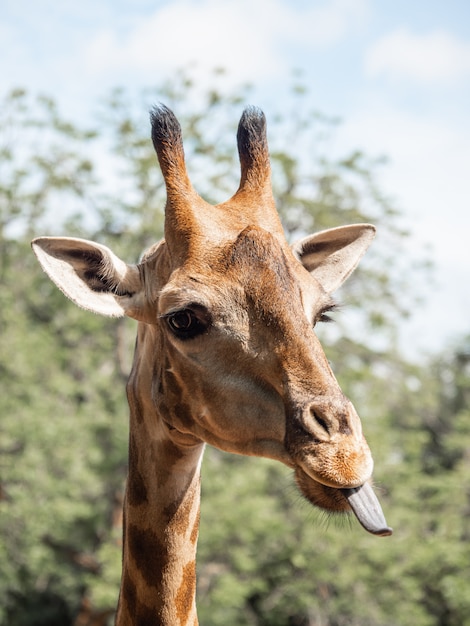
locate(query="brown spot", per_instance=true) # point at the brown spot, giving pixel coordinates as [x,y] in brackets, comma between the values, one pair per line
[186,592]
[149,554]
[144,616]
[136,487]
[140,614]
[128,595]
[195,530]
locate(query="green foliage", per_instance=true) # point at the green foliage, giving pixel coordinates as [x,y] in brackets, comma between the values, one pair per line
[265,556]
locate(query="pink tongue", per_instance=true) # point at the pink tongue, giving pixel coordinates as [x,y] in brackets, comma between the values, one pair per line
[367,509]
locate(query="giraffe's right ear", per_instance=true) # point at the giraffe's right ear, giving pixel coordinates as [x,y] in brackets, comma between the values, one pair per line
[92,276]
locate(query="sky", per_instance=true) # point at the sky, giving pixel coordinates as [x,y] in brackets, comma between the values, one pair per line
[396,73]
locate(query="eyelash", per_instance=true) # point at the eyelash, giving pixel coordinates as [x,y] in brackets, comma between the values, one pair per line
[323,318]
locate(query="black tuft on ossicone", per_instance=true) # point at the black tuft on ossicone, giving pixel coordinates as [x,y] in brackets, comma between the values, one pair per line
[166,130]
[251,135]
[168,143]
[253,149]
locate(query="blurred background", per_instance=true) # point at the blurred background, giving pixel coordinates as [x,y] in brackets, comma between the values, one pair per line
[367,106]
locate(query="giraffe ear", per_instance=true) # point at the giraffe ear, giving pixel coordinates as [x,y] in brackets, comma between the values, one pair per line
[332,255]
[91,275]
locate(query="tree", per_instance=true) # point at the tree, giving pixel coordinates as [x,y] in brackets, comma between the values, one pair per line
[62,458]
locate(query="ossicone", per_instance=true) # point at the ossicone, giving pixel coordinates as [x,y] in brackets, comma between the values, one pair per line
[168,143]
[166,130]
[253,150]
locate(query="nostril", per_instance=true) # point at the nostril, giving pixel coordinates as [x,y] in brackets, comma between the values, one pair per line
[321,421]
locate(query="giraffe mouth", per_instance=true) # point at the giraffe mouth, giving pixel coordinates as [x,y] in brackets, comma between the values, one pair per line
[361,500]
[367,509]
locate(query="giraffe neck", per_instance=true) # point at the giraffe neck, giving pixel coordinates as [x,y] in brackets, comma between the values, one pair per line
[159,555]
[161,521]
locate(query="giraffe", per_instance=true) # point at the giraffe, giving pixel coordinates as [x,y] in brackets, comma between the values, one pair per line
[226,354]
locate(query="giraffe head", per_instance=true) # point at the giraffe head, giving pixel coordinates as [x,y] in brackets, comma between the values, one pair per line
[228,310]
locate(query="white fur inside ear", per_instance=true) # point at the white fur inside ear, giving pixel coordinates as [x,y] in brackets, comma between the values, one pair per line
[332,255]
[88,273]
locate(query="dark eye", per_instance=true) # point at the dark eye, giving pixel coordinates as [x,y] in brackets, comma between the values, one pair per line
[185,324]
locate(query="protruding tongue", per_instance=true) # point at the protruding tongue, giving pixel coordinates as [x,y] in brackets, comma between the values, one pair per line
[367,509]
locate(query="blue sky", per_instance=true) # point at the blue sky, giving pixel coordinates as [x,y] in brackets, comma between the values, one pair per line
[396,73]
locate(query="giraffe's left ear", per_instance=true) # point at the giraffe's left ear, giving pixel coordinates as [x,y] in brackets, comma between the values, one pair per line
[331,255]
[91,275]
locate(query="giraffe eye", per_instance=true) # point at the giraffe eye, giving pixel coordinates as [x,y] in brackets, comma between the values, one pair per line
[323,316]
[186,324]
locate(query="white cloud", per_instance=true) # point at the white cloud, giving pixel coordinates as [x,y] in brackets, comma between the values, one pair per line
[435,57]
[427,172]
[181,33]
[247,37]
[427,175]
